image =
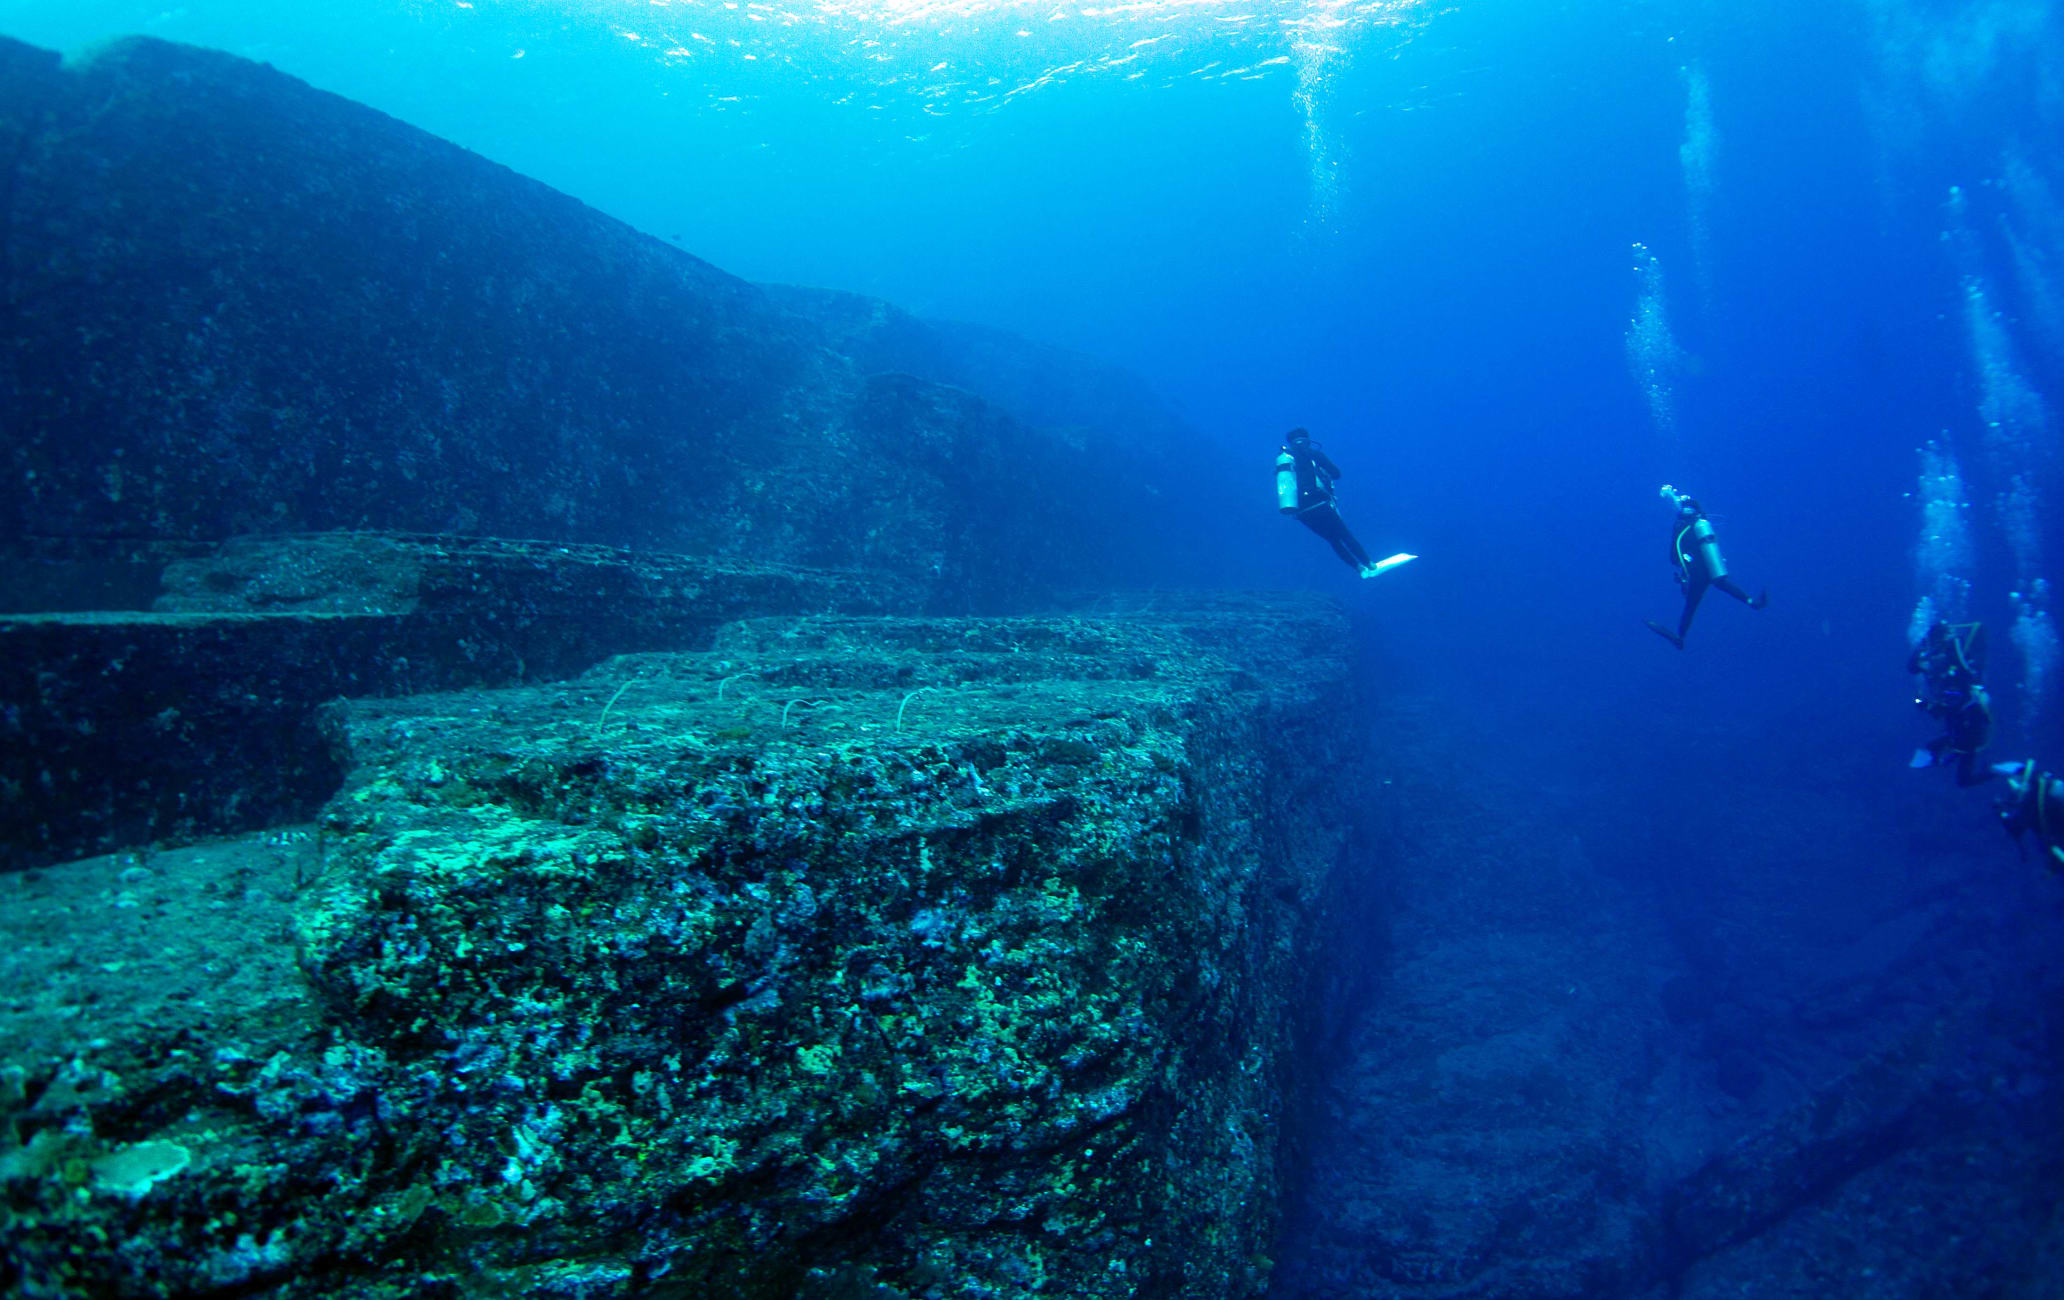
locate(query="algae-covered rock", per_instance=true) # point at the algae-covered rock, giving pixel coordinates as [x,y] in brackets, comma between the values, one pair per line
[889,957]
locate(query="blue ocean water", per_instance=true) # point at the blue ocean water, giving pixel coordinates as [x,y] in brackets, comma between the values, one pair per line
[1515,264]
[1410,226]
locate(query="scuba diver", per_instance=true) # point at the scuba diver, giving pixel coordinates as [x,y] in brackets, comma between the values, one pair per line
[1304,487]
[1696,554]
[1950,661]
[2034,802]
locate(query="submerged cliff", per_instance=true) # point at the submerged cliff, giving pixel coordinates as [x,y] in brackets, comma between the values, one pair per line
[664,882]
[852,956]
[238,305]
[261,341]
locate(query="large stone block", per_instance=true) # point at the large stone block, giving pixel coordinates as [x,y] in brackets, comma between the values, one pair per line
[884,957]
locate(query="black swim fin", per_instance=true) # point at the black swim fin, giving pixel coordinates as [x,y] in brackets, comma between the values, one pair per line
[1665,633]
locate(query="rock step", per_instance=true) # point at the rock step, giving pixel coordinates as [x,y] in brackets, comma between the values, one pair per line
[120,728]
[630,984]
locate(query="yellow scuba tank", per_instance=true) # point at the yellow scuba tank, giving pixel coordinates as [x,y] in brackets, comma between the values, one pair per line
[1286,483]
[1707,548]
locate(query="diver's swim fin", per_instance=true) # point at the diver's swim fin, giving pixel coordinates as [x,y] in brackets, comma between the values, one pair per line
[1922,758]
[1665,633]
[1386,565]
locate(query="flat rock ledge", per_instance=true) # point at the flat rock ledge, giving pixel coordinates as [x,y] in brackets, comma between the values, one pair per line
[120,728]
[851,956]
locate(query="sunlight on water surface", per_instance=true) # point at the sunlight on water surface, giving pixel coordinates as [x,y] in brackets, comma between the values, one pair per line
[978,54]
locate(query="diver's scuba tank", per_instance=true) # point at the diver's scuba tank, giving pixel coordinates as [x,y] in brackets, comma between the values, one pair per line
[1704,547]
[1707,548]
[1286,483]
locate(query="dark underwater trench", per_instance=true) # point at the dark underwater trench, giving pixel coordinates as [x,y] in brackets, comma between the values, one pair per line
[1575,1040]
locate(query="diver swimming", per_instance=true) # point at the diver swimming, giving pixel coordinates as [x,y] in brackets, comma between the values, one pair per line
[1950,661]
[2034,801]
[1695,554]
[1305,476]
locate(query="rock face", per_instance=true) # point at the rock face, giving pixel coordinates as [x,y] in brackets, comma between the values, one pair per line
[1041,386]
[197,718]
[238,305]
[853,956]
[1155,480]
[827,939]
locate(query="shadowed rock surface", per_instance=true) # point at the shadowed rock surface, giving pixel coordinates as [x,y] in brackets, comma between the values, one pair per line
[852,956]
[1527,1096]
[122,728]
[239,305]
[1042,386]
[1156,479]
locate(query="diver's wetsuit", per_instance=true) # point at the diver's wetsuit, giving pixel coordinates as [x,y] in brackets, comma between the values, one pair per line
[1949,662]
[2037,805]
[1315,502]
[1693,577]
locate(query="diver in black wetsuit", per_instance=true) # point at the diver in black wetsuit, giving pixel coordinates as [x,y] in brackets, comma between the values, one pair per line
[1304,487]
[1950,661]
[1695,553]
[2034,802]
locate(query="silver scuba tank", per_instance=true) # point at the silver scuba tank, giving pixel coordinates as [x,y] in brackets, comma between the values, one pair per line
[1286,483]
[1707,548]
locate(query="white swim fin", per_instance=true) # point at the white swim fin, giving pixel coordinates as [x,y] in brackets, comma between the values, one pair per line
[1383,566]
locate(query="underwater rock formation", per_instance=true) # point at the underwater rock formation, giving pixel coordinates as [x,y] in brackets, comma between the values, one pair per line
[849,957]
[1156,478]
[239,305]
[1928,1169]
[1526,1097]
[195,718]
[1041,386]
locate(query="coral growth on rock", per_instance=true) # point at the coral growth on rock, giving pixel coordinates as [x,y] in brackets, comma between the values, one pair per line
[851,956]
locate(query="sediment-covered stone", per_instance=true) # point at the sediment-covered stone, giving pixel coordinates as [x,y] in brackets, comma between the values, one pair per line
[851,956]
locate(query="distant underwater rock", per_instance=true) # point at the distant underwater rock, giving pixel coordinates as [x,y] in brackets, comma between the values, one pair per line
[240,305]
[1042,386]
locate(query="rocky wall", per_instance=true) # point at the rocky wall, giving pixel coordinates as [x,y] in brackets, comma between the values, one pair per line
[238,305]
[118,729]
[851,957]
